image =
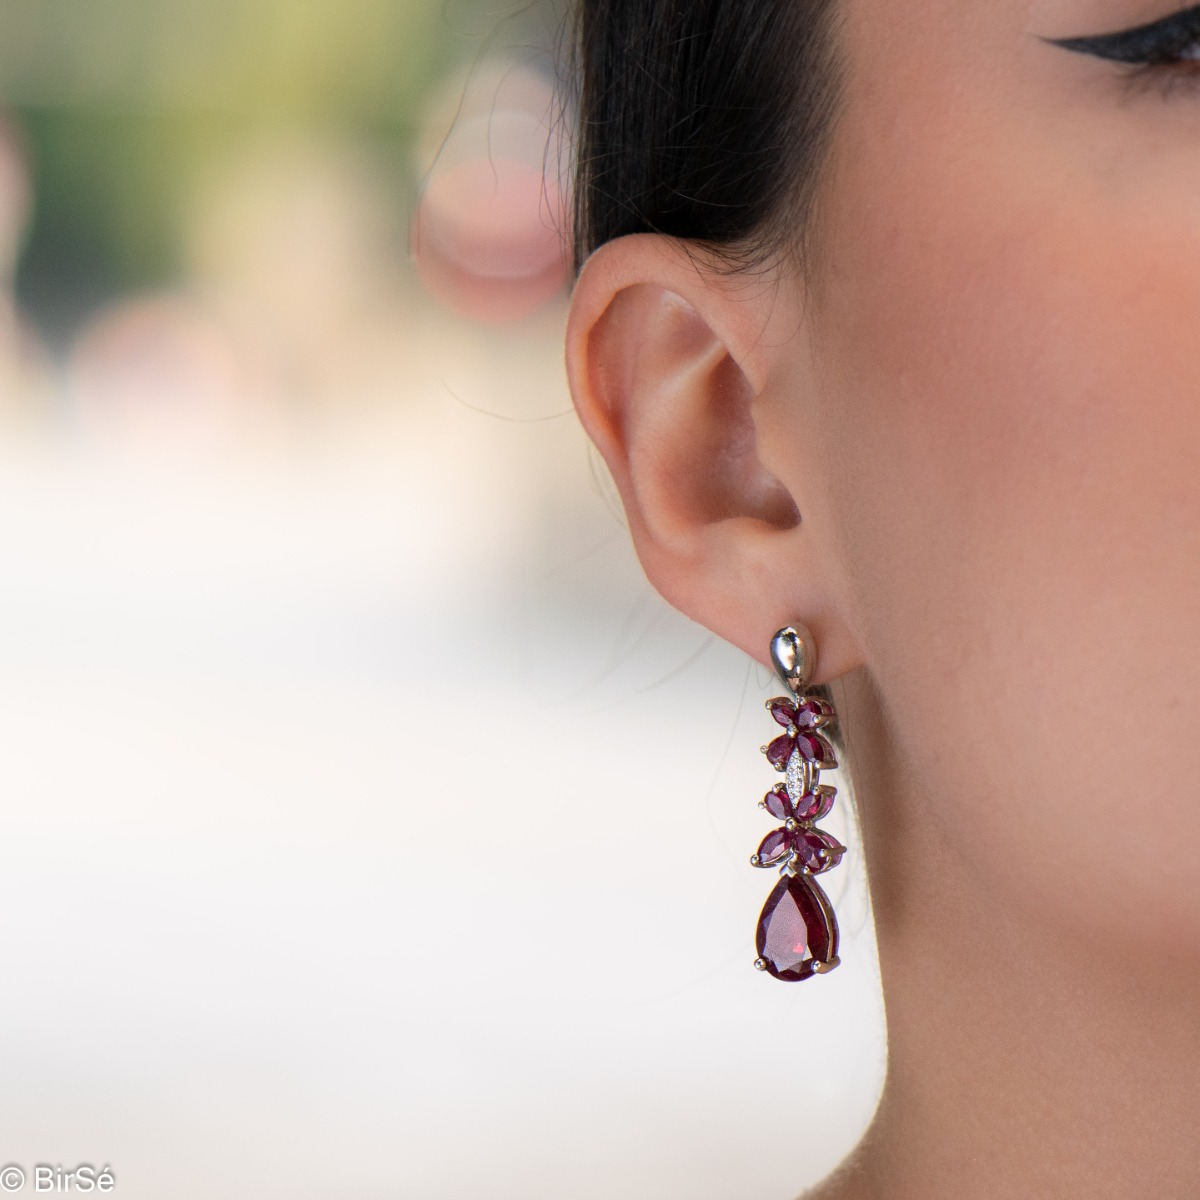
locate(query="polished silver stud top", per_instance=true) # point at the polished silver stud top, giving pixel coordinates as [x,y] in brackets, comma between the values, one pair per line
[794,657]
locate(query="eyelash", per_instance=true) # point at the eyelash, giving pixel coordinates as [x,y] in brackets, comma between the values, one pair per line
[1164,55]
[1166,76]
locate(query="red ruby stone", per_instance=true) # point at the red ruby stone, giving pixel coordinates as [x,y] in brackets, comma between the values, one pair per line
[813,747]
[778,803]
[805,713]
[817,851]
[793,930]
[780,750]
[774,848]
[813,806]
[809,712]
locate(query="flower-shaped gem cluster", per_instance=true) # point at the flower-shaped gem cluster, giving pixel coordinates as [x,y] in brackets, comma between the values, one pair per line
[799,801]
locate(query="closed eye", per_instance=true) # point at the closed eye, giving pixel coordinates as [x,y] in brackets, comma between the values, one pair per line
[1174,39]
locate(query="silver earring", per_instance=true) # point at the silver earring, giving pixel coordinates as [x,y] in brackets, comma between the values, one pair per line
[797,932]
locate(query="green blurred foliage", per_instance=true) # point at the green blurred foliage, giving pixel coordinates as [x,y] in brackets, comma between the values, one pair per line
[124,101]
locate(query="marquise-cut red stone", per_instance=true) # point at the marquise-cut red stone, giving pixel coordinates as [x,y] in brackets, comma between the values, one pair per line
[778,803]
[817,851]
[813,747]
[808,713]
[793,930]
[780,750]
[805,713]
[774,848]
[813,806]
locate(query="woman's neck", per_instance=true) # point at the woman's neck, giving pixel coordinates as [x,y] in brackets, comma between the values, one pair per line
[1018,1065]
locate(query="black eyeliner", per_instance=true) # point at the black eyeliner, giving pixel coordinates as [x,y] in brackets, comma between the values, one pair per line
[1159,41]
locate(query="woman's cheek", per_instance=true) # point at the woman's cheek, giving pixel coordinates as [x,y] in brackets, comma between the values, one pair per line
[1017,506]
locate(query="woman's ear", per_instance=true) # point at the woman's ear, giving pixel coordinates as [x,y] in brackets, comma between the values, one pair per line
[672,363]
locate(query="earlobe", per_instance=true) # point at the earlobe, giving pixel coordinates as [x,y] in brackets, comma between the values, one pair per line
[669,365]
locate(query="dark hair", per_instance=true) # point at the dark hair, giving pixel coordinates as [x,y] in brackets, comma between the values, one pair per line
[702,119]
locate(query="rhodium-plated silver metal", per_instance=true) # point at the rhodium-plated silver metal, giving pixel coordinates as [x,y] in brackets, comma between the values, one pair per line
[794,657]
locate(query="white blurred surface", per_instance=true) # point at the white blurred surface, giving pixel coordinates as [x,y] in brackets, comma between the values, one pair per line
[371,830]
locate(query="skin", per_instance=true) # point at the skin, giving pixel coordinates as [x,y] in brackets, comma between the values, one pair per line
[966,453]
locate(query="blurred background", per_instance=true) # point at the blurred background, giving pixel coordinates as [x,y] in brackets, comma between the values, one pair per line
[370,828]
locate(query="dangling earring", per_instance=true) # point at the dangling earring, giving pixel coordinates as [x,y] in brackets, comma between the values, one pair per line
[797,931]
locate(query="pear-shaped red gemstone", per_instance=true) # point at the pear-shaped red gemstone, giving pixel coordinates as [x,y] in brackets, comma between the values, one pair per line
[783,710]
[778,803]
[793,930]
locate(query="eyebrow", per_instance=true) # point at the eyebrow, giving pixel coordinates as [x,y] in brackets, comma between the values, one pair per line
[1157,41]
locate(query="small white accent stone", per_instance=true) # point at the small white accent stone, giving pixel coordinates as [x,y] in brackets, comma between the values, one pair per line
[797,776]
